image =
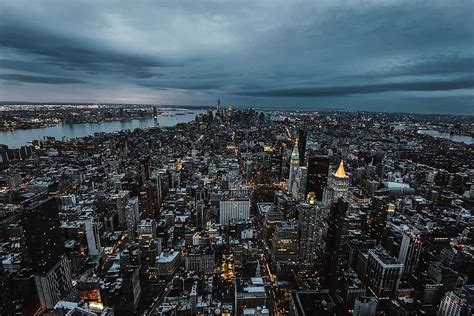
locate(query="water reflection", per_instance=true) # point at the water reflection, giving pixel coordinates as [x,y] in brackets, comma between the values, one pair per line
[18,138]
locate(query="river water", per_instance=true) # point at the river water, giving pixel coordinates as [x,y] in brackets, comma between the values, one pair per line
[21,137]
[456,138]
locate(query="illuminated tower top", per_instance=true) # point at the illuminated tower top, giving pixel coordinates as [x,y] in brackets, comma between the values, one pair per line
[340,172]
[295,155]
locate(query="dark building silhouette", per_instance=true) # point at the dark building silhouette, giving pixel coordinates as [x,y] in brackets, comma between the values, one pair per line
[317,176]
[302,139]
[6,295]
[378,218]
[44,251]
[43,238]
[335,243]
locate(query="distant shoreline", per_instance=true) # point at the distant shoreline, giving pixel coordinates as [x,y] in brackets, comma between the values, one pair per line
[263,108]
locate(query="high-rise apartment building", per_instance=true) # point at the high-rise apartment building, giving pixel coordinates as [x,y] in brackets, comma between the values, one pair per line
[317,176]
[383,273]
[302,140]
[44,250]
[410,251]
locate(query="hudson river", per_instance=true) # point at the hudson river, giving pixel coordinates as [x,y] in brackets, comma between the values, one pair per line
[21,137]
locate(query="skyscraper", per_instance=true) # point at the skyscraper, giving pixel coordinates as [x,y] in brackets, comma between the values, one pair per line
[43,238]
[285,242]
[44,250]
[383,273]
[317,176]
[302,139]
[378,218]
[338,186]
[294,166]
[309,218]
[335,245]
[410,251]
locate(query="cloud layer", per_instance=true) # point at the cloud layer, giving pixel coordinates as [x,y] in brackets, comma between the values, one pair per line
[348,54]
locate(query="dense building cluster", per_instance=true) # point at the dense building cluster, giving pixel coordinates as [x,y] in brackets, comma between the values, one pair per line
[240,212]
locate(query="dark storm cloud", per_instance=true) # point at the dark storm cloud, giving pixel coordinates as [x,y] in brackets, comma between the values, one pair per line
[330,91]
[23,65]
[435,65]
[190,52]
[438,65]
[188,84]
[72,53]
[38,79]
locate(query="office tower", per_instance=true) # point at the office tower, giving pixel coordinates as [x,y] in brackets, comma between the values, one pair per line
[92,235]
[294,166]
[234,209]
[310,226]
[44,250]
[201,215]
[200,260]
[248,169]
[336,242]
[285,244]
[377,218]
[302,139]
[147,228]
[365,306]
[132,216]
[338,186]
[383,273]
[410,251]
[458,302]
[299,184]
[161,184]
[6,295]
[352,288]
[144,170]
[317,176]
[131,291]
[148,200]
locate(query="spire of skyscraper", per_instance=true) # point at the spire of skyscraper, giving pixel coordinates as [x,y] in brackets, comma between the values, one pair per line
[340,172]
[295,155]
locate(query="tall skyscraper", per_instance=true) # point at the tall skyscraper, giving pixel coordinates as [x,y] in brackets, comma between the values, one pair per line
[44,250]
[317,176]
[410,251]
[378,218]
[294,166]
[383,273]
[302,139]
[338,186]
[335,243]
[285,242]
[310,225]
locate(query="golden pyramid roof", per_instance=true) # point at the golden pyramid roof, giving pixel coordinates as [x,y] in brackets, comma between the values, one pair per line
[340,172]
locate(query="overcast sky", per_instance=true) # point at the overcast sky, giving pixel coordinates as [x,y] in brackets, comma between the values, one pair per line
[388,55]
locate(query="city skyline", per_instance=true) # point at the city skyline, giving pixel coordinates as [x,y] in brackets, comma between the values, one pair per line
[394,56]
[237,158]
